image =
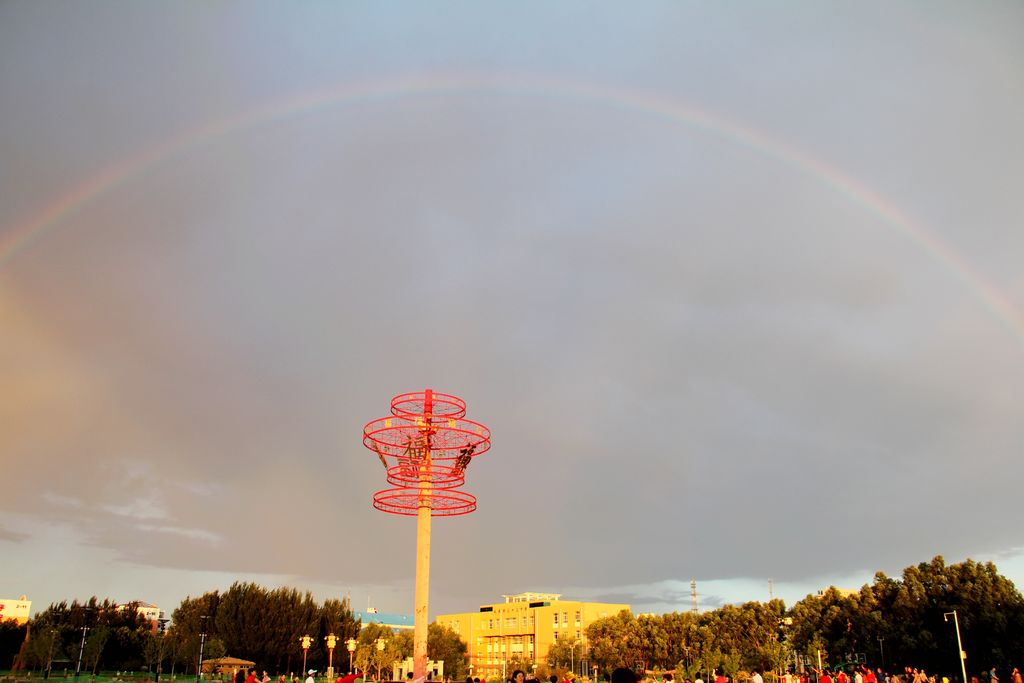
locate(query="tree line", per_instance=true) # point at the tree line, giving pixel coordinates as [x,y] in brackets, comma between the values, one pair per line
[246,621]
[890,623]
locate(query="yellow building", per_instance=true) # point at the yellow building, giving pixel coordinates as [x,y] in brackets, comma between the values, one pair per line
[524,627]
[15,610]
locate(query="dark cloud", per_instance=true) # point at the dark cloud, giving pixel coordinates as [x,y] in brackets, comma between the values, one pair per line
[702,351]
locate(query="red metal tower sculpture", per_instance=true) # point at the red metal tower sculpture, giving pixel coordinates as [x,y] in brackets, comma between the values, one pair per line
[425,445]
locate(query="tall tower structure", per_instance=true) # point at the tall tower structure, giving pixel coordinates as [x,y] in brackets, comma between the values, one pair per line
[425,446]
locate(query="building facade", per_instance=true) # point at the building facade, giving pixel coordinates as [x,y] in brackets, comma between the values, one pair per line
[523,628]
[15,610]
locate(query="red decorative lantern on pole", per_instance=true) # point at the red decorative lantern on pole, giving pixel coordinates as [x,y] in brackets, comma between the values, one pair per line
[332,640]
[305,642]
[425,445]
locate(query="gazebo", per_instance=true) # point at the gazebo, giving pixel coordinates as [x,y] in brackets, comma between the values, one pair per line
[226,665]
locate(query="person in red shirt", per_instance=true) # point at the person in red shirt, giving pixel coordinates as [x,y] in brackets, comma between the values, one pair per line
[720,677]
[825,677]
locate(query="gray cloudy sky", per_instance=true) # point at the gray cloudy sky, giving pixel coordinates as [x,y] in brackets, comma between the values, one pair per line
[736,286]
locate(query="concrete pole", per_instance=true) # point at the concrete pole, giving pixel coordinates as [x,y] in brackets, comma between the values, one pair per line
[420,615]
[419,650]
[960,647]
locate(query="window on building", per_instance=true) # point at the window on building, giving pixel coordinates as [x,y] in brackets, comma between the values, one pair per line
[556,619]
[577,617]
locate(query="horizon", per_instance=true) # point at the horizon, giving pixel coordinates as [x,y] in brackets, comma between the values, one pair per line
[741,595]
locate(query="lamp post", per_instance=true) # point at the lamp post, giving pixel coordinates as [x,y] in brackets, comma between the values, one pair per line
[572,657]
[381,644]
[959,645]
[351,645]
[305,642]
[331,642]
[202,642]
[160,628]
[49,657]
[81,651]
[881,652]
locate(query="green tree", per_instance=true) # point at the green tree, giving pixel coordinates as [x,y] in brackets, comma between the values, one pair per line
[682,642]
[516,661]
[909,615]
[336,617]
[191,618]
[12,635]
[444,644]
[615,641]
[94,647]
[561,652]
[377,650]
[241,621]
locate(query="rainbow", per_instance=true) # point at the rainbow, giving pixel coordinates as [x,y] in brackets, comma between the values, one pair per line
[33,228]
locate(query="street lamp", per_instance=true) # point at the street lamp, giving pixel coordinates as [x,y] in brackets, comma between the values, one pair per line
[351,645]
[881,652]
[305,642]
[959,645]
[202,642]
[85,630]
[331,641]
[160,628]
[572,657]
[81,650]
[49,658]
[381,644]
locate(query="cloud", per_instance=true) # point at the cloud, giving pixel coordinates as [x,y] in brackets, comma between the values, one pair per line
[140,508]
[61,500]
[12,536]
[195,534]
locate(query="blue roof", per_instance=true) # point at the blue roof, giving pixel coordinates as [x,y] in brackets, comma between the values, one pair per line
[393,620]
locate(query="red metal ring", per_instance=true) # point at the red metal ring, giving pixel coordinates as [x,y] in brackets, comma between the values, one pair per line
[406,501]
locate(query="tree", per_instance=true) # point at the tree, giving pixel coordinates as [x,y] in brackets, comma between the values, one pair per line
[615,641]
[909,614]
[444,644]
[191,618]
[562,652]
[336,617]
[377,649]
[12,635]
[94,647]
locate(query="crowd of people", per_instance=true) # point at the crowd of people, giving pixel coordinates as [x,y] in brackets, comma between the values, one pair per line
[860,674]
